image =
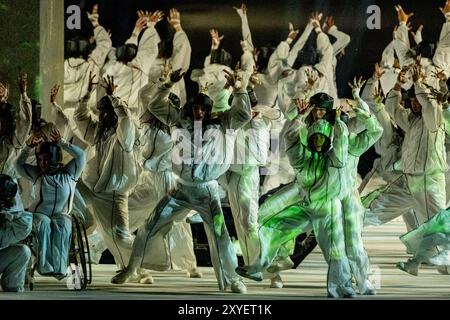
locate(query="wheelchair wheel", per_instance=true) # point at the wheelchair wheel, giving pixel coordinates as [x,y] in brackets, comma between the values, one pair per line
[79,256]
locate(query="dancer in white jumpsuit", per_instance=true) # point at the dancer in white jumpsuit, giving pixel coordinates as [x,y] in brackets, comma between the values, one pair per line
[113,171]
[197,171]
[14,129]
[15,226]
[55,184]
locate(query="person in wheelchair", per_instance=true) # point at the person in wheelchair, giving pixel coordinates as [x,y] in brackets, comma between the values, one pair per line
[55,183]
[15,226]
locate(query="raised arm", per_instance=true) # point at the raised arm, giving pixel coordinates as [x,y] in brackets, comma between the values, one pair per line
[102,38]
[342,39]
[181,56]
[23,115]
[402,44]
[431,110]
[339,152]
[148,45]
[281,53]
[300,43]
[25,170]
[155,98]
[295,150]
[441,57]
[394,109]
[362,141]
[83,116]
[246,34]
[240,113]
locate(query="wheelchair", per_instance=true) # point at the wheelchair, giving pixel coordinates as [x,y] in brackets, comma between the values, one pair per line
[79,259]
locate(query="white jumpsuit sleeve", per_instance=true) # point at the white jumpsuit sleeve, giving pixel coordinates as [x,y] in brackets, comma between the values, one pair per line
[360,143]
[299,44]
[16,227]
[339,153]
[295,150]
[240,113]
[442,55]
[342,39]
[25,170]
[23,121]
[103,44]
[274,66]
[181,55]
[76,165]
[155,97]
[402,45]
[324,47]
[431,111]
[85,121]
[147,50]
[246,33]
[126,129]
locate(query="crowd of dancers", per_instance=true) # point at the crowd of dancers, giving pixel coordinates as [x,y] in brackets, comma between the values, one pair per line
[139,160]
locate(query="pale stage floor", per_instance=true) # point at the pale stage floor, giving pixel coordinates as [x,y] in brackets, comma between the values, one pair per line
[306,282]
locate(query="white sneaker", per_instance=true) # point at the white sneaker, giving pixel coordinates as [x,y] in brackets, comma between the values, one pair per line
[276,282]
[238,287]
[410,266]
[281,265]
[367,289]
[124,276]
[194,273]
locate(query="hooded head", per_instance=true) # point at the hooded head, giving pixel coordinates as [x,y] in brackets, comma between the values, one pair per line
[107,116]
[199,108]
[126,52]
[7,119]
[410,101]
[308,56]
[262,57]
[319,136]
[48,157]
[78,47]
[221,56]
[8,191]
[322,105]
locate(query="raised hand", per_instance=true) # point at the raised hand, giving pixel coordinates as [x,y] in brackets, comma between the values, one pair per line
[91,82]
[439,74]
[356,86]
[378,72]
[377,95]
[4,92]
[55,136]
[155,17]
[236,80]
[418,34]
[215,38]
[311,77]
[165,71]
[302,105]
[53,93]
[446,8]
[242,11]
[174,19]
[329,22]
[254,78]
[292,33]
[439,96]
[93,16]
[23,83]
[109,85]
[417,73]
[34,139]
[315,19]
[401,15]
